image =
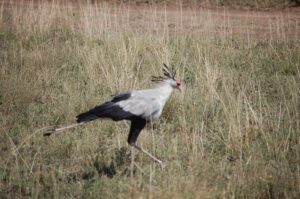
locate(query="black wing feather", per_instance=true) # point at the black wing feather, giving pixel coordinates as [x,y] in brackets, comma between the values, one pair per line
[107,110]
[121,97]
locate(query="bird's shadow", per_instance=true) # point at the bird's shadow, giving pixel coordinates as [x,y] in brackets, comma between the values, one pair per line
[119,164]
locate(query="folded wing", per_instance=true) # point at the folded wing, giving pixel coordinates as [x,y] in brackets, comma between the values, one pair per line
[125,106]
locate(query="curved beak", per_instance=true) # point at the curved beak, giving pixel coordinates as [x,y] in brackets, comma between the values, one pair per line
[178,84]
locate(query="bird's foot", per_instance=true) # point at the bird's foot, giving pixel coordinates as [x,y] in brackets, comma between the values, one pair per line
[149,154]
[161,164]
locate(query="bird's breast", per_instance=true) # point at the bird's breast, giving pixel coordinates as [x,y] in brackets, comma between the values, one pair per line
[155,111]
[155,115]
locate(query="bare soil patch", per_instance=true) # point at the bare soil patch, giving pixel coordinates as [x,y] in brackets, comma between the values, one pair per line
[277,24]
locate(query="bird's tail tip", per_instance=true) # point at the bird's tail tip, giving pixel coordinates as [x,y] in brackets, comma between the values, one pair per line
[48,131]
[52,129]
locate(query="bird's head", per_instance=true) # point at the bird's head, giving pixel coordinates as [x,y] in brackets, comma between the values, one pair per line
[169,77]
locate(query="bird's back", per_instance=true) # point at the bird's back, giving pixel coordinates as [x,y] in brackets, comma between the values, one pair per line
[126,106]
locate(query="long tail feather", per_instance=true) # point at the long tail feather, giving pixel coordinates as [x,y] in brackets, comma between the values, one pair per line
[51,130]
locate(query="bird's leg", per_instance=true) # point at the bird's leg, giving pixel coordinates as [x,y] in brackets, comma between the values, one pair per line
[132,163]
[147,153]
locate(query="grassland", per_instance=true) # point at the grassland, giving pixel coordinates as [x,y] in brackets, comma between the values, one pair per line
[234,131]
[239,4]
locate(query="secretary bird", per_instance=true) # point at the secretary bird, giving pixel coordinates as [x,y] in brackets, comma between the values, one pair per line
[137,106]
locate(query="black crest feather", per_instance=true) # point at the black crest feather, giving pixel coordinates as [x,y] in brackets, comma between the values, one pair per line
[169,73]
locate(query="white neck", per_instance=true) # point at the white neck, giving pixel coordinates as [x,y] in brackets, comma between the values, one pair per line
[164,91]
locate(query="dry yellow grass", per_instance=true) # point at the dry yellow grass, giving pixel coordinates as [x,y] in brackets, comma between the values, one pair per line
[232,133]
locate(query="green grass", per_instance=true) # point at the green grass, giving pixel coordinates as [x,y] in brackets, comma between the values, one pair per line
[234,131]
